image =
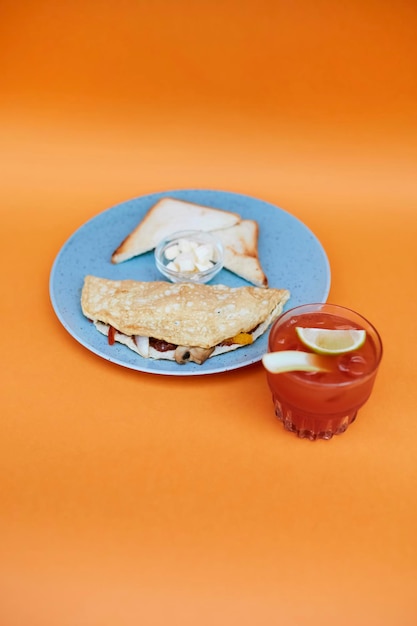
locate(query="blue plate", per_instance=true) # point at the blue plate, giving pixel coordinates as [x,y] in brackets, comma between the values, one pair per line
[290,254]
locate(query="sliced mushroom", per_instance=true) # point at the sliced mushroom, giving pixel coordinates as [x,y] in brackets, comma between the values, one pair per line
[183,354]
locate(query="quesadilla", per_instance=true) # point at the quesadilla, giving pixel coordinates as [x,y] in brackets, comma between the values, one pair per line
[167,217]
[180,321]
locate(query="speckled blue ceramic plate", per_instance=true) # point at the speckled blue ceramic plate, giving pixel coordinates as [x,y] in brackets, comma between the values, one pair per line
[290,254]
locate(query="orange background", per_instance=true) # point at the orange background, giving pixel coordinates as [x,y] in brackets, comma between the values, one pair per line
[128,498]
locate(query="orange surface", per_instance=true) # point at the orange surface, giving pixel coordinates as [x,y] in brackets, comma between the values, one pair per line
[128,498]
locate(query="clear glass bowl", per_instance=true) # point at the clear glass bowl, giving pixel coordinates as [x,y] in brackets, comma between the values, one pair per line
[196,237]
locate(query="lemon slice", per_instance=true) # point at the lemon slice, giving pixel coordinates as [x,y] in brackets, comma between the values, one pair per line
[324,341]
[292,361]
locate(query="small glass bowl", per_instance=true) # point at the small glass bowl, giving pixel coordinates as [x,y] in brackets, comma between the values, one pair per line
[200,237]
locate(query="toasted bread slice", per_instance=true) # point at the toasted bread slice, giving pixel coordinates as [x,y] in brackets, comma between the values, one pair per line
[241,255]
[164,218]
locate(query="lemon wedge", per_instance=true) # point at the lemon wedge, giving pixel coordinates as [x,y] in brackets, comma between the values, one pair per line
[324,341]
[294,360]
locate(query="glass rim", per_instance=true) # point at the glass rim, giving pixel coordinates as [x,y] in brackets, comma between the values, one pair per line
[340,308]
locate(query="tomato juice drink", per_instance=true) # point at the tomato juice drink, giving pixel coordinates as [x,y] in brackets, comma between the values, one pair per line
[318,405]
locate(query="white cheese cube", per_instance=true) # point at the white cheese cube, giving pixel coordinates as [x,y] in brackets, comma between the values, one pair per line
[173,266]
[172,252]
[185,262]
[186,245]
[202,267]
[204,253]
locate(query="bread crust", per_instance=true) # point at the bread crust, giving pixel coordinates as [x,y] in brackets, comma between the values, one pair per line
[241,254]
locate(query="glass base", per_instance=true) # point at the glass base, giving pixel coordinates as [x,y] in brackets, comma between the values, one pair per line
[312,426]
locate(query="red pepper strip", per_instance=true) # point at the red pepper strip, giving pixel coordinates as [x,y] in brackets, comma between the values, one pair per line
[111,335]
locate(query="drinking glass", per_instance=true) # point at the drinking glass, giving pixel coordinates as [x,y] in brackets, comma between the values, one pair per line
[318,405]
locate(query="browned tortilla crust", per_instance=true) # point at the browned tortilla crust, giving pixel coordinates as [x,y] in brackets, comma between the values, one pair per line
[184,314]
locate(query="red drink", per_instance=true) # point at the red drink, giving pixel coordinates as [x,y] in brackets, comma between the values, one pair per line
[318,405]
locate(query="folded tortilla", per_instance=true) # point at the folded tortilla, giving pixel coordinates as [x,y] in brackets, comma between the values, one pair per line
[180,321]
